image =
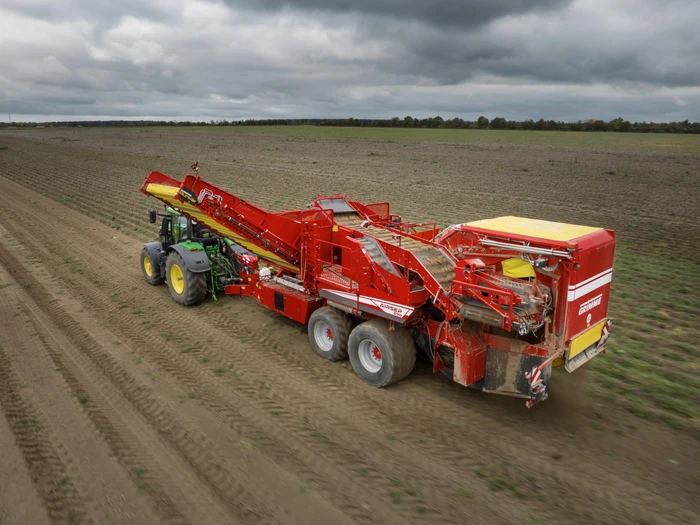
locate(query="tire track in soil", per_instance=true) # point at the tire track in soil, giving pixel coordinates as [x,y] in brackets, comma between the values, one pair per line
[572,481]
[389,486]
[190,444]
[191,376]
[439,434]
[19,500]
[549,467]
[307,435]
[128,450]
[117,310]
[48,471]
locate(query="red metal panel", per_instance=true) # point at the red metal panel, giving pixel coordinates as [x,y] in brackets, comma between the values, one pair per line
[588,290]
[470,357]
[295,305]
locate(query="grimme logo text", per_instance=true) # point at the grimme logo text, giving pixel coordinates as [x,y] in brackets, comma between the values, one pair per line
[590,304]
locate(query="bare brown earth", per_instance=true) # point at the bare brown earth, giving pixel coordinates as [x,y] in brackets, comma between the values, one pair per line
[119,406]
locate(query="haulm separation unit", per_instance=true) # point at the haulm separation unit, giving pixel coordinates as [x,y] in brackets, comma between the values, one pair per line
[495,304]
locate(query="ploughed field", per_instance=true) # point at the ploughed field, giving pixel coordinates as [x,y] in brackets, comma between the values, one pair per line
[119,406]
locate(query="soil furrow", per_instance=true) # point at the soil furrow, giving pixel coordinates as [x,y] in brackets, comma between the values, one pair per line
[525,457]
[190,444]
[49,472]
[192,379]
[113,431]
[233,391]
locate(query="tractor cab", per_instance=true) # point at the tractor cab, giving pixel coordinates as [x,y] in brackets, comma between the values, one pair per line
[176,228]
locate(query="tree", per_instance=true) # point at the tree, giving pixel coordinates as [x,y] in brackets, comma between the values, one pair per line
[482,122]
[498,123]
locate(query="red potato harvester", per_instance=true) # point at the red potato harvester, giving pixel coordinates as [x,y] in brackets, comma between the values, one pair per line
[495,304]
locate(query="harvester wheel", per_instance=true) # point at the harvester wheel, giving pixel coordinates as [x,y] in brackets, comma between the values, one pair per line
[186,287]
[381,356]
[150,269]
[329,329]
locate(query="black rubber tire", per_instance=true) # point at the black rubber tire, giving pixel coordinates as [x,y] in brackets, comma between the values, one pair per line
[155,278]
[339,324]
[195,284]
[398,352]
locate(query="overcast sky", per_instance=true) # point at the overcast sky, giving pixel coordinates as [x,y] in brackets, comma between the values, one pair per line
[204,59]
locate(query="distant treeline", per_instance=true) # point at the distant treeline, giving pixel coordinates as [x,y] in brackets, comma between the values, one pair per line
[615,125]
[146,123]
[618,124]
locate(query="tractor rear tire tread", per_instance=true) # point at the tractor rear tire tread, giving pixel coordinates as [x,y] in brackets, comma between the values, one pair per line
[340,324]
[195,283]
[396,346]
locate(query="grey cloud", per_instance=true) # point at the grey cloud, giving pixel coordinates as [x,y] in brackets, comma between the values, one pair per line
[460,13]
[102,12]
[581,46]
[215,59]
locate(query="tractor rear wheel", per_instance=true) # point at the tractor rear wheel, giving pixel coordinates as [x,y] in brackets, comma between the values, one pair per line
[381,356]
[329,329]
[186,287]
[150,269]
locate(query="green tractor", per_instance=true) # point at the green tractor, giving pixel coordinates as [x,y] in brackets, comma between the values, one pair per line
[191,259]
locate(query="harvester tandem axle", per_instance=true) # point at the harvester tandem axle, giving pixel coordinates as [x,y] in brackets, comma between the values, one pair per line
[495,304]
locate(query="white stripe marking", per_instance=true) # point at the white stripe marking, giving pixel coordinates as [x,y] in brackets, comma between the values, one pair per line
[582,283]
[396,309]
[588,288]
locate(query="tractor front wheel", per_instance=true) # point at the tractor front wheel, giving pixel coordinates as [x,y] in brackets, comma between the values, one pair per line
[186,287]
[381,356]
[150,269]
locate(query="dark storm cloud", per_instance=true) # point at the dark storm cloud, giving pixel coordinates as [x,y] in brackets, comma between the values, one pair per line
[271,58]
[460,13]
[587,43]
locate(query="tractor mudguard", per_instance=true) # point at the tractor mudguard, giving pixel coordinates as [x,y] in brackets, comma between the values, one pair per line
[196,262]
[157,255]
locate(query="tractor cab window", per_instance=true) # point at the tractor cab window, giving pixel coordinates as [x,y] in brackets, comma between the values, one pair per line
[179,225]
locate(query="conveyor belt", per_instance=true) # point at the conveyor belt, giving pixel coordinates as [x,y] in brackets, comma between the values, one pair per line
[435,261]
[167,194]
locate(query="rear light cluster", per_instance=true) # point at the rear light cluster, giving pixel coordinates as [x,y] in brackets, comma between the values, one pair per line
[606,333]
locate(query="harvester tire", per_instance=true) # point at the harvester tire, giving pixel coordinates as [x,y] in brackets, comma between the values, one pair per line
[150,269]
[187,288]
[381,356]
[329,329]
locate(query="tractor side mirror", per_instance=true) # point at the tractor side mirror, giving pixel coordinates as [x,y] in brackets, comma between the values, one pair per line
[152,216]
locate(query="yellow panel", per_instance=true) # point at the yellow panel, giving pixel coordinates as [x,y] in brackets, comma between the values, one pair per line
[586,339]
[553,231]
[518,268]
[168,193]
